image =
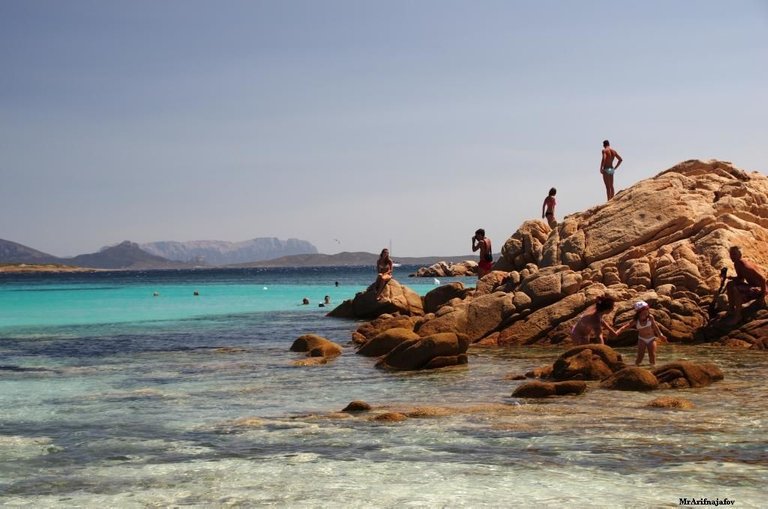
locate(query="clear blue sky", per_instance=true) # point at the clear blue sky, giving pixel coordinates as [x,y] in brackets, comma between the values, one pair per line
[414,122]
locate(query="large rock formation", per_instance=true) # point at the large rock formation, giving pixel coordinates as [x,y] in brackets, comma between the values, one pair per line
[663,240]
[395,299]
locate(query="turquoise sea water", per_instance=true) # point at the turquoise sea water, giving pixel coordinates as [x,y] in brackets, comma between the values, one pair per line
[114,397]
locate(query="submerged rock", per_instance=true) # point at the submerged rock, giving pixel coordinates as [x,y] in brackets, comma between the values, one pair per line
[684,374]
[587,362]
[316,346]
[357,406]
[670,402]
[391,417]
[538,389]
[631,379]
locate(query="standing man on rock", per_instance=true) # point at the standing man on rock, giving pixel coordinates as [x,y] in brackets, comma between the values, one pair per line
[483,243]
[607,168]
[747,285]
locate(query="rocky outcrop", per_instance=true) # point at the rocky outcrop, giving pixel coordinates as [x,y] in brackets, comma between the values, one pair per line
[751,333]
[474,317]
[435,351]
[685,374]
[663,240]
[384,322]
[587,362]
[435,299]
[631,379]
[538,389]
[395,298]
[385,342]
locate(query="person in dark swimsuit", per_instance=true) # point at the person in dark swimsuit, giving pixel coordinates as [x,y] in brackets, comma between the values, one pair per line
[548,208]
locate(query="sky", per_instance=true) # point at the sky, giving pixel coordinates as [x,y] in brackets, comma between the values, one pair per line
[357,125]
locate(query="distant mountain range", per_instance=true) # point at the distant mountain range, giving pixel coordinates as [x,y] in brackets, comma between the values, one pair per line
[346,259]
[129,255]
[132,256]
[12,252]
[218,252]
[263,252]
[126,255]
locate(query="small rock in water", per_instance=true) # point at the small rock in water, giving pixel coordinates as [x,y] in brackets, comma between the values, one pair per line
[671,402]
[357,406]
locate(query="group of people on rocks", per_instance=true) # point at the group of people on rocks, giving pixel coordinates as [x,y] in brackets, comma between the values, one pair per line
[747,285]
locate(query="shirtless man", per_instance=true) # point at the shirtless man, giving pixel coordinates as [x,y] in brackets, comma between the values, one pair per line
[607,168]
[747,285]
[483,243]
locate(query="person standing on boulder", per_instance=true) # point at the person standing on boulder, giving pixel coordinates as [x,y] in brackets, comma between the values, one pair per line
[483,243]
[747,285]
[607,168]
[590,324]
[548,208]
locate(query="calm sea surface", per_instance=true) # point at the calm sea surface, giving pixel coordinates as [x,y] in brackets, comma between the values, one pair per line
[114,397]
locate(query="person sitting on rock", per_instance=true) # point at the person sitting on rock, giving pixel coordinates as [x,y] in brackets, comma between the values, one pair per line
[647,332]
[590,324]
[746,286]
[384,267]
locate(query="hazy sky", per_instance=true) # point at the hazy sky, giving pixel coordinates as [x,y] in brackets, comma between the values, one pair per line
[370,122]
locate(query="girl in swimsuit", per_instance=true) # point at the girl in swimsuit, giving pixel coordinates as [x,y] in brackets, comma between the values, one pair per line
[590,324]
[384,267]
[647,332]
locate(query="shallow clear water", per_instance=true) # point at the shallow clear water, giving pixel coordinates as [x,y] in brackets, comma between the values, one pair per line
[113,397]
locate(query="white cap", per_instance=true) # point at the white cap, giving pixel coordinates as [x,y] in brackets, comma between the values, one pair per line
[640,305]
